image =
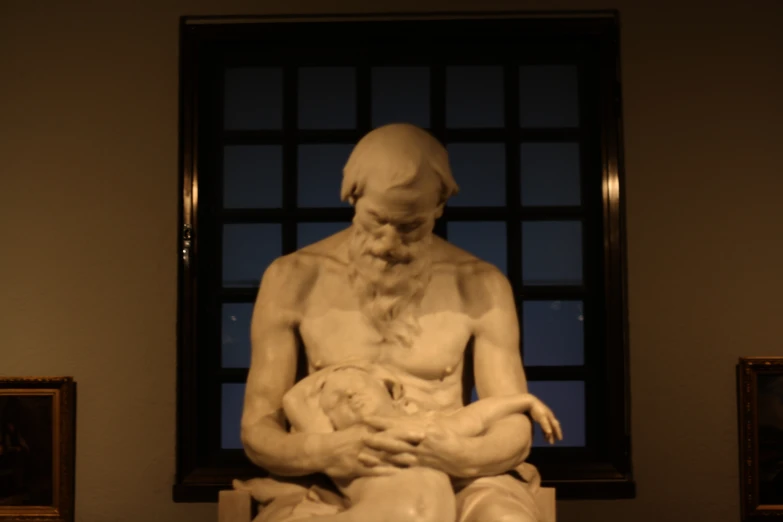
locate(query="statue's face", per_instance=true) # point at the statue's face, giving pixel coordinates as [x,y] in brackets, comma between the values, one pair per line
[390,252]
[350,395]
[397,218]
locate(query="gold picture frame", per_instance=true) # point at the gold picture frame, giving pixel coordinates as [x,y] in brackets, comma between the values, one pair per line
[37,446]
[760,390]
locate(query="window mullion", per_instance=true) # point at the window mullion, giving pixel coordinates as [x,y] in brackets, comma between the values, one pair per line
[513,201]
[290,156]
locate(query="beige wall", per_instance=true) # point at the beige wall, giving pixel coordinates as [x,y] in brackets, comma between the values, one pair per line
[88,209]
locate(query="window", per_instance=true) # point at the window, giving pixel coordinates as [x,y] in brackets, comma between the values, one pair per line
[527,108]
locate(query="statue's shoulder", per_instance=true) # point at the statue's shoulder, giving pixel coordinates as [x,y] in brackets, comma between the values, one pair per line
[304,265]
[477,280]
[329,252]
[448,257]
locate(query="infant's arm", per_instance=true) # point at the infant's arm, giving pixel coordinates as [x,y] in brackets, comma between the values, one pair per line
[475,418]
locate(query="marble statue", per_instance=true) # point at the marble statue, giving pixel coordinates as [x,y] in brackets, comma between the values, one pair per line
[394,308]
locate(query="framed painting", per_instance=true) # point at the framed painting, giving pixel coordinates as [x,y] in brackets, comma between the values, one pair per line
[37,435]
[760,381]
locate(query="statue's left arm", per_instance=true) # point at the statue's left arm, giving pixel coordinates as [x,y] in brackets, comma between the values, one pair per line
[498,371]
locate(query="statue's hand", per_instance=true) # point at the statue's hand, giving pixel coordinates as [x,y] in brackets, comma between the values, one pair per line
[347,455]
[445,450]
[413,442]
[394,441]
[544,416]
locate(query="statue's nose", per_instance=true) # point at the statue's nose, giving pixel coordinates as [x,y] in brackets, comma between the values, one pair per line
[389,238]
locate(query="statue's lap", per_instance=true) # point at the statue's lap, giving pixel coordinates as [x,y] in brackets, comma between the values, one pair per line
[478,500]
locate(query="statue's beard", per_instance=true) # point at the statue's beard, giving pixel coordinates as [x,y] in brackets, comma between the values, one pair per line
[390,284]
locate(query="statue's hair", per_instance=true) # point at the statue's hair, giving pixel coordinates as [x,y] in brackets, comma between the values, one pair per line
[397,154]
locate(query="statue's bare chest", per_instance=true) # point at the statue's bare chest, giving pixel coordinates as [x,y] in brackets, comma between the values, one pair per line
[334,330]
[336,336]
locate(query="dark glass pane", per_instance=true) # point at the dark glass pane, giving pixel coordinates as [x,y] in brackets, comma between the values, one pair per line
[480,172]
[235,336]
[309,233]
[248,249]
[549,96]
[550,174]
[401,95]
[252,176]
[232,400]
[567,401]
[553,333]
[320,174]
[327,98]
[484,239]
[552,252]
[253,98]
[474,96]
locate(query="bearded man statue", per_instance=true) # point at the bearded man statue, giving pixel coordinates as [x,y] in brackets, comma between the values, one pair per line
[387,291]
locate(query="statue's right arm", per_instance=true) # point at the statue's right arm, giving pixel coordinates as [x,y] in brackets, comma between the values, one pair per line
[272,372]
[276,316]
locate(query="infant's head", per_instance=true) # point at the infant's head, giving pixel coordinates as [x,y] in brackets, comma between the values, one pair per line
[351,393]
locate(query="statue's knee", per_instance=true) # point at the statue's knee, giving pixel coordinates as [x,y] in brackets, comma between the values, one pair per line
[500,510]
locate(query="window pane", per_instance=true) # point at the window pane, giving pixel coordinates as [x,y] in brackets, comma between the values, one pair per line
[552,253]
[480,171]
[235,336]
[549,96]
[550,174]
[401,94]
[327,98]
[232,400]
[484,239]
[474,97]
[247,252]
[553,333]
[252,176]
[567,401]
[309,233]
[253,98]
[321,173]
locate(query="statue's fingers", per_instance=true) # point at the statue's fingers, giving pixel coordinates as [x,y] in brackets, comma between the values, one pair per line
[388,444]
[369,460]
[547,429]
[558,429]
[411,436]
[403,459]
[381,471]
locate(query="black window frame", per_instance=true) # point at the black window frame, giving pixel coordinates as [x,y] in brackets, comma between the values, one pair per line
[208,43]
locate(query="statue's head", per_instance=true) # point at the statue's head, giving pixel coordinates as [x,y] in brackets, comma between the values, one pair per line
[350,393]
[398,179]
